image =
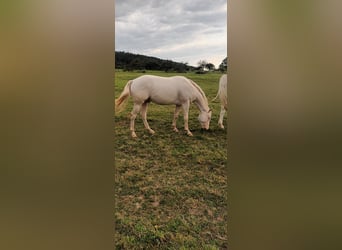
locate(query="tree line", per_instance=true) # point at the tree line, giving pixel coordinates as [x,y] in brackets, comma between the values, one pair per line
[129,62]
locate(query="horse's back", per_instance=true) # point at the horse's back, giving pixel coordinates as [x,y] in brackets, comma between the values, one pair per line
[161,90]
[161,80]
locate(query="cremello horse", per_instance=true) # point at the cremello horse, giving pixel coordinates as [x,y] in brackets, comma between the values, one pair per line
[176,90]
[222,94]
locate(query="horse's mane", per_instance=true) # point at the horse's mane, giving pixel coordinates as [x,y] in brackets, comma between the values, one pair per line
[199,90]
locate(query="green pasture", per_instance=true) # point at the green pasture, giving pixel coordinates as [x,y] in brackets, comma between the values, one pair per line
[170,188]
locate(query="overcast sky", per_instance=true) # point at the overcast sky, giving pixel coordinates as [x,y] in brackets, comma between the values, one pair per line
[179,30]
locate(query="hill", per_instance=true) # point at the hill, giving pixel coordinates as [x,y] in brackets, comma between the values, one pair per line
[129,61]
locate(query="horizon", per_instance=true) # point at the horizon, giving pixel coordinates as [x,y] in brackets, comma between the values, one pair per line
[195,66]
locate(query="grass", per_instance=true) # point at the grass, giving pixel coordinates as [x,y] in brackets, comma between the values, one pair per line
[170,188]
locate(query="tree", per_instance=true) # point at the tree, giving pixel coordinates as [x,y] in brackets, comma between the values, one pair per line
[202,65]
[223,66]
[166,65]
[129,61]
[136,63]
[210,66]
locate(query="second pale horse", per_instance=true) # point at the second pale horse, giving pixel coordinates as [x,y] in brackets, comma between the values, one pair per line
[177,90]
[222,94]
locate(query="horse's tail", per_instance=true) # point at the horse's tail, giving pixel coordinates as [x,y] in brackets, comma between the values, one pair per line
[121,101]
[218,93]
[220,89]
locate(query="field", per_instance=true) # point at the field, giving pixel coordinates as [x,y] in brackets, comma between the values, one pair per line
[170,190]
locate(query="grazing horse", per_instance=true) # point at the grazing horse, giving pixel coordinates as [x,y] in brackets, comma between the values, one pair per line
[222,94]
[177,90]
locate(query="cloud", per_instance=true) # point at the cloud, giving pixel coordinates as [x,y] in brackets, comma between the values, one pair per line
[179,30]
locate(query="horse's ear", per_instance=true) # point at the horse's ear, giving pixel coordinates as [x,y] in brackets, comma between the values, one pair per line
[209,111]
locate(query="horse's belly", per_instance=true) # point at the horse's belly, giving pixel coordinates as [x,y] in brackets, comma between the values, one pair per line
[165,99]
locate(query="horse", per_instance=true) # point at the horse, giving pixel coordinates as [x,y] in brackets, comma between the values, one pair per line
[176,90]
[222,94]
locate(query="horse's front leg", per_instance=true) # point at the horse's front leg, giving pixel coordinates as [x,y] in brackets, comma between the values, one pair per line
[144,117]
[186,118]
[175,116]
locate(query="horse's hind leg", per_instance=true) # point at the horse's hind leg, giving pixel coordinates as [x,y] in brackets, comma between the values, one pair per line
[175,116]
[220,122]
[144,117]
[135,111]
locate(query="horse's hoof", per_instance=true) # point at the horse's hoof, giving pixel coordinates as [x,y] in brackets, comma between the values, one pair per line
[134,135]
[189,134]
[221,126]
[176,130]
[152,132]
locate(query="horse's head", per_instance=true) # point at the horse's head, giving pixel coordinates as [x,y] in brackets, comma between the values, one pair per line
[204,118]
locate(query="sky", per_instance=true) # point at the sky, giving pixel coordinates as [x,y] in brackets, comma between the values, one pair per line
[178,30]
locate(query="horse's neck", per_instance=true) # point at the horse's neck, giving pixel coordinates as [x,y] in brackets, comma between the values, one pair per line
[200,102]
[199,97]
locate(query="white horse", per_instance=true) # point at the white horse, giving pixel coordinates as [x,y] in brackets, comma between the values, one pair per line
[177,90]
[222,94]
